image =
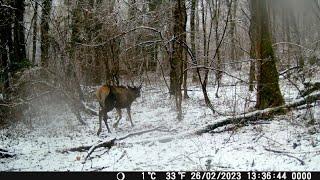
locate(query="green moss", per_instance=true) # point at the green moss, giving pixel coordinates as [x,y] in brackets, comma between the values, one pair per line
[313,60]
[24,63]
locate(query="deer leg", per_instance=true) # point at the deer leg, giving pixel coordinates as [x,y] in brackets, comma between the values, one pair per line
[105,119]
[129,115]
[100,121]
[115,125]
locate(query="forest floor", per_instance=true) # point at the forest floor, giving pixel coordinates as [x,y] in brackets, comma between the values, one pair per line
[284,143]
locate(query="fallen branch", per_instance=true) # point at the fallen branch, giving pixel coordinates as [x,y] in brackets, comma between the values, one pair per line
[5,154]
[106,144]
[288,70]
[138,133]
[309,88]
[285,153]
[256,115]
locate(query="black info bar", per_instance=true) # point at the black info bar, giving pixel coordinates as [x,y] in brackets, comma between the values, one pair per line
[169,175]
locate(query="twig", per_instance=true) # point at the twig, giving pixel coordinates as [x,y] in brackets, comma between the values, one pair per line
[106,144]
[287,70]
[138,133]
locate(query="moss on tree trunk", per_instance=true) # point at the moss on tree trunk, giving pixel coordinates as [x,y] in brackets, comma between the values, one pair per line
[268,91]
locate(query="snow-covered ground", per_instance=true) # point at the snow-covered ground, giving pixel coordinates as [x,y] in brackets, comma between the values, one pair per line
[284,143]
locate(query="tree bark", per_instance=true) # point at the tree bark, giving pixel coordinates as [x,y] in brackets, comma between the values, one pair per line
[252,72]
[6,47]
[19,39]
[194,3]
[179,30]
[185,73]
[268,91]
[218,72]
[45,37]
[233,34]
[35,32]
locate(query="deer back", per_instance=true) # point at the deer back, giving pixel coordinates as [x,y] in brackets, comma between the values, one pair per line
[124,96]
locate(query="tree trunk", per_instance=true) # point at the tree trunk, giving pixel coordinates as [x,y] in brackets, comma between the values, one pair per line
[252,33]
[194,3]
[6,46]
[185,73]
[296,38]
[233,35]
[179,30]
[152,51]
[268,91]
[218,72]
[205,53]
[252,72]
[35,32]
[19,39]
[45,38]
[4,55]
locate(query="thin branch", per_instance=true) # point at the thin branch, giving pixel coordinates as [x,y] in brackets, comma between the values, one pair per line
[216,69]
[291,43]
[7,6]
[287,70]
[285,153]
[122,34]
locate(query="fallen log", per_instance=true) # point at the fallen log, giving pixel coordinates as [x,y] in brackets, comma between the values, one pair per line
[256,115]
[309,88]
[6,154]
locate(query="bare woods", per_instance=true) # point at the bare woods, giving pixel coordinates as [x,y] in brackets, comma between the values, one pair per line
[60,52]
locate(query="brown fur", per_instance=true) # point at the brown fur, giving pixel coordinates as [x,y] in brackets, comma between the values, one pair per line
[102,93]
[118,97]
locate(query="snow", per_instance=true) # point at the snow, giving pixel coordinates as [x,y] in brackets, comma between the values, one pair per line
[284,143]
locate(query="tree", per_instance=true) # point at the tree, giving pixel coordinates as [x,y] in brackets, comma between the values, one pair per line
[45,38]
[5,46]
[35,32]
[176,62]
[12,40]
[233,33]
[154,6]
[268,91]
[19,38]
[219,67]
[194,3]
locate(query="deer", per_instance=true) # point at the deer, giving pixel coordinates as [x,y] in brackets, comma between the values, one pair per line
[118,97]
